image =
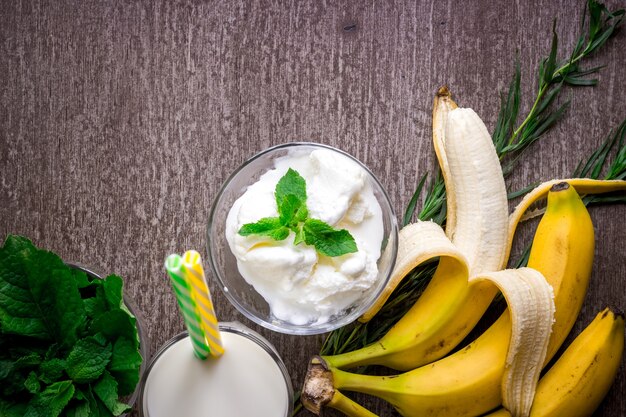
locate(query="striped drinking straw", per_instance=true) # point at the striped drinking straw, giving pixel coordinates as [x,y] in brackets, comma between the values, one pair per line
[187,305]
[194,274]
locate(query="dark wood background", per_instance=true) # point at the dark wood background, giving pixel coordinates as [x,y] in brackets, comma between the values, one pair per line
[119,120]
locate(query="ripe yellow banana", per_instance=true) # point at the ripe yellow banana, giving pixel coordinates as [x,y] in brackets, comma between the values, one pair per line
[582,376]
[450,306]
[468,382]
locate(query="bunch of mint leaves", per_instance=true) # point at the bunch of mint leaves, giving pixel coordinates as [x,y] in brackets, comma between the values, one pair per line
[68,344]
[293,215]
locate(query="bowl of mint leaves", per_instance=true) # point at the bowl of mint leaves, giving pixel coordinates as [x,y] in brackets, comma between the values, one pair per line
[70,341]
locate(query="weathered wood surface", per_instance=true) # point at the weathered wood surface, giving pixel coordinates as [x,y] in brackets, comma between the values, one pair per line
[120,120]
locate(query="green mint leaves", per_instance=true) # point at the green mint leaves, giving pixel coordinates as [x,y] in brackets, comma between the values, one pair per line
[68,345]
[292,184]
[327,240]
[267,226]
[293,215]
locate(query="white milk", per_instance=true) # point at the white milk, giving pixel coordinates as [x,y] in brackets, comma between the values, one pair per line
[246,381]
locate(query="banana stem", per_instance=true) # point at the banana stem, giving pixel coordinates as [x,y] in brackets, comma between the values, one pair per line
[319,392]
[318,389]
[349,407]
[364,356]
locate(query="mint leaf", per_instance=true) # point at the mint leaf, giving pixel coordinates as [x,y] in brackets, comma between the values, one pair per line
[113,291]
[52,351]
[299,238]
[87,360]
[79,406]
[15,244]
[15,374]
[80,409]
[51,401]
[6,366]
[124,365]
[51,370]
[16,300]
[96,406]
[28,360]
[328,241]
[78,395]
[291,183]
[114,324]
[13,385]
[106,390]
[81,278]
[38,294]
[292,211]
[32,383]
[267,226]
[95,306]
[56,297]
[302,214]
[9,409]
[56,322]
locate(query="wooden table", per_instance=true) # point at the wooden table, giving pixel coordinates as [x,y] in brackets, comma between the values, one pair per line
[120,120]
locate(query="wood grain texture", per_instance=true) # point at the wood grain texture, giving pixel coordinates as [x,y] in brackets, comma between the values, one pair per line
[120,120]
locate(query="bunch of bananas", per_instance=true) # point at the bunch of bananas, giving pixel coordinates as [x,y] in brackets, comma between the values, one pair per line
[502,367]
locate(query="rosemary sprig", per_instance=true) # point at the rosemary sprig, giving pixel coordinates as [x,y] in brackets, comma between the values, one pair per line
[594,165]
[553,75]
[510,143]
[410,208]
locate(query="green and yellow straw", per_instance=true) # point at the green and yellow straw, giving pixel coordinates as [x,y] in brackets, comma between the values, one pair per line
[187,305]
[194,274]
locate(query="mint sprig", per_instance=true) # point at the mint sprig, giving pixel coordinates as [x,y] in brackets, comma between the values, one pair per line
[267,226]
[293,215]
[328,241]
[68,344]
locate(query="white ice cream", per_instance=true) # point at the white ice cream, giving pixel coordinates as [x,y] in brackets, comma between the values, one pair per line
[300,285]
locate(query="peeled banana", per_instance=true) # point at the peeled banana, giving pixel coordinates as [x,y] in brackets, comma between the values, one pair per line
[468,383]
[476,227]
[450,307]
[582,376]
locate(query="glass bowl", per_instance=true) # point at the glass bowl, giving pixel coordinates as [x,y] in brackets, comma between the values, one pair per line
[199,398]
[144,343]
[224,264]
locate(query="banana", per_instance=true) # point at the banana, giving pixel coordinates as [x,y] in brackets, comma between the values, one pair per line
[573,387]
[468,382]
[582,185]
[477,231]
[450,307]
[582,376]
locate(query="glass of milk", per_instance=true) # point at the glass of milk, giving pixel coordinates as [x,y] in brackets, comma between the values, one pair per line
[291,287]
[250,379]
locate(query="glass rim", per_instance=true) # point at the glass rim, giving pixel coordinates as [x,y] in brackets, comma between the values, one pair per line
[231,327]
[284,327]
